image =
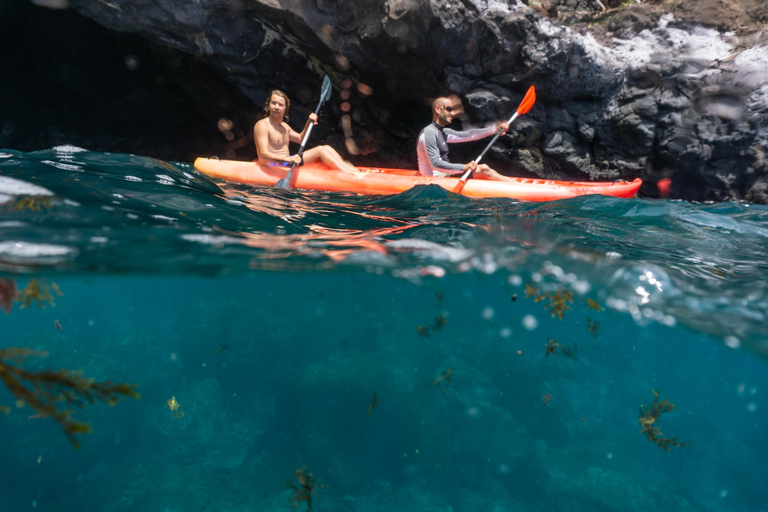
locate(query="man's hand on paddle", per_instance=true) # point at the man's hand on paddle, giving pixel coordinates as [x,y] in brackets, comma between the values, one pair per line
[313,118]
[470,166]
[502,126]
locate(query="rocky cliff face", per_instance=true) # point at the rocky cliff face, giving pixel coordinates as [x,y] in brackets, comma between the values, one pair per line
[677,89]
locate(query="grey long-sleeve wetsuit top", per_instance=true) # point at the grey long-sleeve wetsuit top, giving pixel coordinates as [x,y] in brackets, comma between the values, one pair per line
[432,148]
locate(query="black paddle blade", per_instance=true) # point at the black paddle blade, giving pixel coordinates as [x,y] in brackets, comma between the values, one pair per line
[285,183]
[325,92]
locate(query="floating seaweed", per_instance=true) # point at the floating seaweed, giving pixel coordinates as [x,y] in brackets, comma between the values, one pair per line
[593,304]
[593,326]
[570,351]
[439,296]
[8,294]
[374,402]
[423,331]
[444,377]
[546,398]
[39,291]
[556,302]
[45,391]
[174,406]
[305,489]
[649,423]
[221,349]
[533,292]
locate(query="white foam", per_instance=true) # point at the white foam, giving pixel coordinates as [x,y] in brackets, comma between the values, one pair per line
[550,29]
[499,7]
[594,49]
[28,250]
[14,187]
[754,62]
[68,148]
[63,166]
[210,239]
[638,51]
[700,43]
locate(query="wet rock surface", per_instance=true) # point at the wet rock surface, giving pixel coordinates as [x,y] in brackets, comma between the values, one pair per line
[654,90]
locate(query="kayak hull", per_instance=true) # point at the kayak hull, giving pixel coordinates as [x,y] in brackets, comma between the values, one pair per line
[382,181]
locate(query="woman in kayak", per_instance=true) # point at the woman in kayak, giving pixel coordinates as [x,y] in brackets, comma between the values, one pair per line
[273,135]
[432,147]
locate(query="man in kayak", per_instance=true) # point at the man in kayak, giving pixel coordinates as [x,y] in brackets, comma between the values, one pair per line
[272,136]
[432,147]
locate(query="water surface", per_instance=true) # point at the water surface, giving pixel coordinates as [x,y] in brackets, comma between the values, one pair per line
[300,329]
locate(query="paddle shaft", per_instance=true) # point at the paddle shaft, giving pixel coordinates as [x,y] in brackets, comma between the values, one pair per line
[493,140]
[303,143]
[325,93]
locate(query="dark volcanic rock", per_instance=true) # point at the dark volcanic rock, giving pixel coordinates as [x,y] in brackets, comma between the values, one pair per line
[673,89]
[66,80]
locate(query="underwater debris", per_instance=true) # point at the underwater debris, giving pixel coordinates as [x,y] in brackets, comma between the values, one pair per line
[174,406]
[44,390]
[305,489]
[593,326]
[439,296]
[374,402]
[439,322]
[649,421]
[593,304]
[546,398]
[557,302]
[514,297]
[33,203]
[569,351]
[8,294]
[57,325]
[40,291]
[221,349]
[551,347]
[437,325]
[444,377]
[423,331]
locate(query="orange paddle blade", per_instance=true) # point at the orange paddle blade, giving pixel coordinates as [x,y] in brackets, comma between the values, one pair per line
[527,103]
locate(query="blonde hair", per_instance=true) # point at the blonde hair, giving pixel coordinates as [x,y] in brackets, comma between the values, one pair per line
[277,92]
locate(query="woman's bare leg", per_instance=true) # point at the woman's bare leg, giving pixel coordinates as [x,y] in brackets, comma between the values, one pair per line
[328,156]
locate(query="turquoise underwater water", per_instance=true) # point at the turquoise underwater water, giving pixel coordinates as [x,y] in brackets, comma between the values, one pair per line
[396,348]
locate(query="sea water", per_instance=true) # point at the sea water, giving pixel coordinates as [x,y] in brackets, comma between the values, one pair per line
[422,352]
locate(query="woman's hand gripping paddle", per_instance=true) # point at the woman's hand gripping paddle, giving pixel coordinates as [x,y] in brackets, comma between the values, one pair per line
[525,106]
[325,93]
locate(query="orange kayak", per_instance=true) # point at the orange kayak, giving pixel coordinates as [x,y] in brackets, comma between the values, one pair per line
[380,181]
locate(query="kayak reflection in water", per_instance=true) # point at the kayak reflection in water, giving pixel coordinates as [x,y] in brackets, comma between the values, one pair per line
[273,135]
[432,147]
